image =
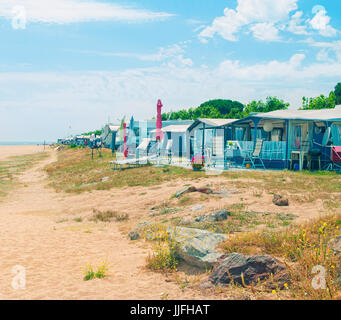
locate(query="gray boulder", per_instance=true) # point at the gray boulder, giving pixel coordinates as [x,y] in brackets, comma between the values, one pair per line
[213,216]
[252,267]
[197,247]
[218,215]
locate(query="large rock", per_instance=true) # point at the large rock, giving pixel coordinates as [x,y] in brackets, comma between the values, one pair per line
[197,247]
[252,267]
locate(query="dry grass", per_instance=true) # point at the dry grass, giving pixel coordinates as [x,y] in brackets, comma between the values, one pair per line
[13,166]
[75,172]
[301,247]
[299,187]
[108,215]
[241,220]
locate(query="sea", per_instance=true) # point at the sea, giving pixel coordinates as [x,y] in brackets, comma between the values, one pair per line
[22,143]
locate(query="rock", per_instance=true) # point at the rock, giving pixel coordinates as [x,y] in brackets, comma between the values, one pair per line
[213,216]
[200,218]
[335,245]
[187,189]
[105,179]
[204,190]
[139,230]
[278,200]
[133,235]
[279,279]
[218,215]
[253,268]
[198,247]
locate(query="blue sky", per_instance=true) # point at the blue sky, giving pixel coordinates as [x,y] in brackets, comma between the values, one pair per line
[79,62]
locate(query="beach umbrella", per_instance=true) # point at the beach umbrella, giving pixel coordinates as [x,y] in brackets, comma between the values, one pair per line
[131,129]
[159,133]
[121,130]
[125,151]
[131,125]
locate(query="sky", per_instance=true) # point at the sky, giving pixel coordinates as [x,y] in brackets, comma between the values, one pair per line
[70,66]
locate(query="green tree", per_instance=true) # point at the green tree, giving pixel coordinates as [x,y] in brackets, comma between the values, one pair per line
[337,93]
[271,104]
[320,102]
[217,108]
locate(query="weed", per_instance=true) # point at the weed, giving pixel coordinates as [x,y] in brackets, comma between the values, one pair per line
[108,215]
[102,270]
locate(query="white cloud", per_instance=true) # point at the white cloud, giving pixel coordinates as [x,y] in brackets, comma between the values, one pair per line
[172,54]
[320,22]
[71,11]
[85,99]
[327,48]
[295,24]
[265,31]
[246,13]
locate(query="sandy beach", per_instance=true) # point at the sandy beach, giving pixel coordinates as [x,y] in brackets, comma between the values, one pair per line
[10,151]
[37,232]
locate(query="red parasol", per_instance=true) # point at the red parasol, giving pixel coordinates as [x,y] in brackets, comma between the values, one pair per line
[125,152]
[159,133]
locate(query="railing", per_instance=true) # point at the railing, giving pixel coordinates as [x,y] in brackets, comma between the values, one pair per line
[271,150]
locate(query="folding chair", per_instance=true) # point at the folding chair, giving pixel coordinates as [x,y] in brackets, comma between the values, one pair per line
[335,159]
[252,158]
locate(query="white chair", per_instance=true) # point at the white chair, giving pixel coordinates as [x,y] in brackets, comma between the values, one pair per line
[252,158]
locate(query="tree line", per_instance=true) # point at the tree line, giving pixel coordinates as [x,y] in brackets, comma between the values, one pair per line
[228,109]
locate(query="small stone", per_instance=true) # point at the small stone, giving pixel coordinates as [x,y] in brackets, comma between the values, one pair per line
[218,215]
[278,200]
[201,218]
[133,235]
[105,179]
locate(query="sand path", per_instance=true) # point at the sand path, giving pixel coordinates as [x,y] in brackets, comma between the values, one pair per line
[54,254]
